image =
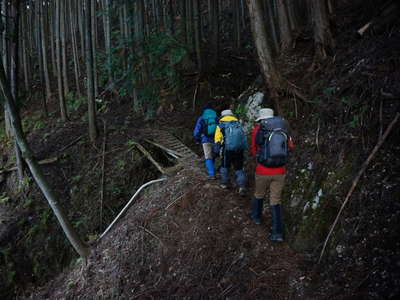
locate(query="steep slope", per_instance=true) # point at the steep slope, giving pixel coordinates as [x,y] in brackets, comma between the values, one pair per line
[185,238]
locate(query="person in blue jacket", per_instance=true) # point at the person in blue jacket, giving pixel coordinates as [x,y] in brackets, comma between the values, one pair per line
[204,133]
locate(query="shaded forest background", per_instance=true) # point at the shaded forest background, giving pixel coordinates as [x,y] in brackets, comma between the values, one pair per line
[78,75]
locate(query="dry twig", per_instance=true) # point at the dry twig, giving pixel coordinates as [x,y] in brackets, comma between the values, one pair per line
[357,179]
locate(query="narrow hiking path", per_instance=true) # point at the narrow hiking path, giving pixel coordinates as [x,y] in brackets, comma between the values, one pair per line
[188,238]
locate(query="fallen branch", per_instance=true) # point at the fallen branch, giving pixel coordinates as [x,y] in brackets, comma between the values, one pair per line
[71,144]
[357,179]
[42,162]
[148,155]
[195,96]
[128,205]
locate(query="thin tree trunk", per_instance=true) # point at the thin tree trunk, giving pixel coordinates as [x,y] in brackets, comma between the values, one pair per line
[52,32]
[36,171]
[93,39]
[214,8]
[14,65]
[61,95]
[90,75]
[63,30]
[236,21]
[107,36]
[197,33]
[73,29]
[44,52]
[183,21]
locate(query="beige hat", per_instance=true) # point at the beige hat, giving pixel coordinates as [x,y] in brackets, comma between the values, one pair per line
[265,113]
[226,112]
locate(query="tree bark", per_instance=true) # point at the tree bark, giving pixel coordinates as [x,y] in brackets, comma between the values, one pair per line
[284,26]
[197,33]
[264,53]
[61,95]
[323,38]
[90,74]
[44,51]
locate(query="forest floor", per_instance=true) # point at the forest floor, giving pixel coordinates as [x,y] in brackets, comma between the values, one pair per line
[188,238]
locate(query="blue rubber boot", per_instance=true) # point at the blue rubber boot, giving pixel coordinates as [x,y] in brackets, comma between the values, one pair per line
[241,181]
[256,209]
[210,168]
[277,225]
[224,177]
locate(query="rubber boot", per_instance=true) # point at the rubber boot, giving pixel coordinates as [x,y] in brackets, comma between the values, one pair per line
[210,168]
[224,177]
[256,209]
[277,225]
[241,181]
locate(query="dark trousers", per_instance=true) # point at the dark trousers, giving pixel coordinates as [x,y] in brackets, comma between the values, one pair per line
[234,158]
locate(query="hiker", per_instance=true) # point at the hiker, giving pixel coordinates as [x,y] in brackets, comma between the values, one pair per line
[230,143]
[269,144]
[204,133]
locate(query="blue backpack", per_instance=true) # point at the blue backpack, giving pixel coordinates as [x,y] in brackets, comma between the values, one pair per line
[234,136]
[272,138]
[209,122]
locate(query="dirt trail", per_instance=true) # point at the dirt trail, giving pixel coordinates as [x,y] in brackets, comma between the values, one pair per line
[186,238]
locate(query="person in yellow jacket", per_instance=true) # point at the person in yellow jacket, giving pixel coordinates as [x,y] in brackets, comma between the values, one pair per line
[230,143]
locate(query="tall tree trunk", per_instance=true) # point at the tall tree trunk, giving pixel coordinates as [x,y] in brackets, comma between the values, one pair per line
[323,38]
[284,26]
[51,9]
[269,11]
[214,8]
[74,45]
[36,171]
[268,69]
[44,51]
[184,20]
[61,94]
[5,51]
[107,35]
[236,22]
[90,74]
[197,33]
[93,39]
[14,66]
[63,33]
[24,50]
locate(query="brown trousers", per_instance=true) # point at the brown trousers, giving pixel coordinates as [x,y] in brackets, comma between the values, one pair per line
[275,184]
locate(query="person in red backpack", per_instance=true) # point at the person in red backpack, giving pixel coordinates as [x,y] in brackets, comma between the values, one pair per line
[270,170]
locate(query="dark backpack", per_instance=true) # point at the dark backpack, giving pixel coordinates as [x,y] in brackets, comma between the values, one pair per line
[234,136]
[209,122]
[272,137]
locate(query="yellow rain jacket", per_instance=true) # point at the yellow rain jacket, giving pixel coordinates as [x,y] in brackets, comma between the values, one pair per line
[219,137]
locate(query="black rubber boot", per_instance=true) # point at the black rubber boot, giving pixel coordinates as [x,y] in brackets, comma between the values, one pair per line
[256,209]
[277,224]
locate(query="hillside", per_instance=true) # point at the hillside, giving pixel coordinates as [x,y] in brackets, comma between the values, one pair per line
[186,237]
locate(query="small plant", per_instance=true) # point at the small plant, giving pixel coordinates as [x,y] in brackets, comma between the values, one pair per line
[241,111]
[4,198]
[73,102]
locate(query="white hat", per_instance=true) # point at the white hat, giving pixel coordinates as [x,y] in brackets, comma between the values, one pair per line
[226,112]
[265,113]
